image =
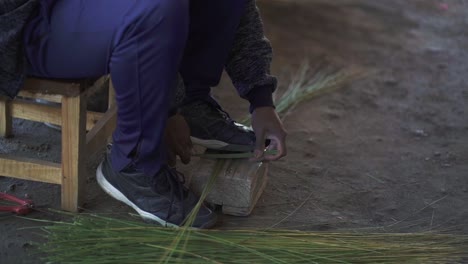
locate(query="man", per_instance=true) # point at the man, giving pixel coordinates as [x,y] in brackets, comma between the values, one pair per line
[248,65]
[144,45]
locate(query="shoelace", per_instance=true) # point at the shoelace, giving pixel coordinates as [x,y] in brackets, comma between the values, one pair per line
[225,115]
[214,105]
[228,130]
[176,181]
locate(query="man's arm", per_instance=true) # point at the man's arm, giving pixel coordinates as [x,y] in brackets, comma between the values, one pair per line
[248,66]
[249,62]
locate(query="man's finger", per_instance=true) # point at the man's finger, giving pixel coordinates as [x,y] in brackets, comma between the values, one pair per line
[279,154]
[280,144]
[184,153]
[259,144]
[272,145]
[187,156]
[171,158]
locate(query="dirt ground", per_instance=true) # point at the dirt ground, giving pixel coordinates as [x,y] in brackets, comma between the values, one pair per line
[388,153]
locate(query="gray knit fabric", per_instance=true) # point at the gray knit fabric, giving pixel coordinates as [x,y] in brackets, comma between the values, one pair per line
[250,58]
[179,94]
[13,16]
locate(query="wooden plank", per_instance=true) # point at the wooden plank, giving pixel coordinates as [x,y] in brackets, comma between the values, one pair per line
[69,88]
[55,98]
[36,112]
[92,118]
[111,100]
[98,136]
[5,118]
[47,113]
[73,152]
[30,169]
[97,85]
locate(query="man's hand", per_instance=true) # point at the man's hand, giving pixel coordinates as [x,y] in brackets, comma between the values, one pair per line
[267,125]
[177,137]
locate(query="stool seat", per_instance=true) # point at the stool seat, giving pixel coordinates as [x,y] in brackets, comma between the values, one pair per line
[83,132]
[58,87]
[53,89]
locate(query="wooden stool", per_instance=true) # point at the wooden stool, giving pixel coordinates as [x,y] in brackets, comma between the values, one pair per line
[68,109]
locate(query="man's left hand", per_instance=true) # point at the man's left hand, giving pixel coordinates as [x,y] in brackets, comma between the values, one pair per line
[267,125]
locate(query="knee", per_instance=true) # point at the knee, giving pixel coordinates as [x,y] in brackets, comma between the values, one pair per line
[172,13]
[175,8]
[155,21]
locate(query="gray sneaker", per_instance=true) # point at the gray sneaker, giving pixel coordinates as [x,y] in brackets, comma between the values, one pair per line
[162,198]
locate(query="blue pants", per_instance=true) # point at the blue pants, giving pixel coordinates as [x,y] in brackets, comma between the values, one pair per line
[143,45]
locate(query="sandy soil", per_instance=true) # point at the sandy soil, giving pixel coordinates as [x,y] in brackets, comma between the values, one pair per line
[388,153]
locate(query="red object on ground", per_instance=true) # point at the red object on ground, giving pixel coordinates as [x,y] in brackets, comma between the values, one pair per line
[24,206]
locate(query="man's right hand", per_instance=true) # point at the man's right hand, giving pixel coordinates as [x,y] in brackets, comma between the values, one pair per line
[177,137]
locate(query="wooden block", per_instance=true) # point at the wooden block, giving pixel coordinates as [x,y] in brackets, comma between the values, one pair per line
[73,151]
[5,118]
[237,189]
[30,169]
[242,200]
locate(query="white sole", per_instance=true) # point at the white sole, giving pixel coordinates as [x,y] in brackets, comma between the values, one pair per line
[116,194]
[209,143]
[219,145]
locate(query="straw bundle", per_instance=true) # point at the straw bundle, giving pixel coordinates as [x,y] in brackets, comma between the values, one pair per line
[98,239]
[311,82]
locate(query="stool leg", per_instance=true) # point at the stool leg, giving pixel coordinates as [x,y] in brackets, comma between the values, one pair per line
[5,118]
[111,103]
[111,95]
[73,148]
